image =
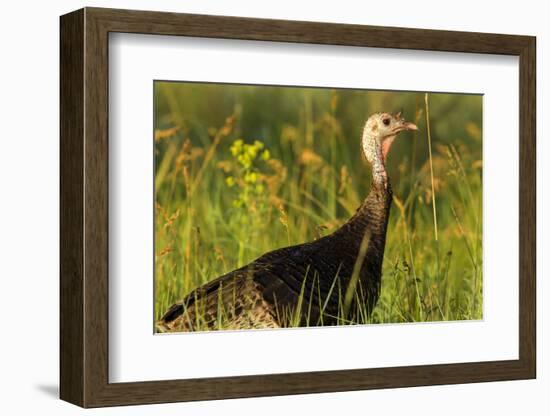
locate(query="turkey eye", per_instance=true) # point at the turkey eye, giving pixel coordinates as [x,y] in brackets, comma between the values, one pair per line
[386,121]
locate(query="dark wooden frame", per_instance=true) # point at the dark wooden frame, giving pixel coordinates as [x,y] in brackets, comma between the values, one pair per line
[84,207]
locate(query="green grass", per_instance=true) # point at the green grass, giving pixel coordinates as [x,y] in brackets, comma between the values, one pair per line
[242,170]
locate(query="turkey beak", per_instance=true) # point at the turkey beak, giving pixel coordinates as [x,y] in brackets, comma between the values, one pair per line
[407,125]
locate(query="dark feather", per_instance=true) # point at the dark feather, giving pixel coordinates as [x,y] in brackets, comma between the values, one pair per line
[266,292]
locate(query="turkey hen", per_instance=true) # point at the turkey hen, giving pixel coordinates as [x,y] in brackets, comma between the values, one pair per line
[324,282]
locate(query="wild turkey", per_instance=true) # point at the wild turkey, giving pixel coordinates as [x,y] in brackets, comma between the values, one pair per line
[306,284]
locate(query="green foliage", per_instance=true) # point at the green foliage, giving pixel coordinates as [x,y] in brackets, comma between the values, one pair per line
[224,198]
[246,183]
[245,175]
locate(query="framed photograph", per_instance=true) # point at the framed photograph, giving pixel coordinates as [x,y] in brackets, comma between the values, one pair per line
[256,207]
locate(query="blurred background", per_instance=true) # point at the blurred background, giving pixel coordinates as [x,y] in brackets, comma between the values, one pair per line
[242,170]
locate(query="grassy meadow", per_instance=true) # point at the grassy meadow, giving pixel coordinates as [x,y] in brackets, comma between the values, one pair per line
[242,170]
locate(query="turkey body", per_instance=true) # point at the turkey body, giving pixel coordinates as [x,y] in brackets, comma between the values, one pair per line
[301,285]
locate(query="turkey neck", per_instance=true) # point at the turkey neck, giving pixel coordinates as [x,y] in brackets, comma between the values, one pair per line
[371,218]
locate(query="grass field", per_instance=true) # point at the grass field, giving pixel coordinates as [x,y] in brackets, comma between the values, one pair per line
[242,170]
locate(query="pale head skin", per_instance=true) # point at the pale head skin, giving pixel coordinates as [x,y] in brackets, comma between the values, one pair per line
[379,133]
